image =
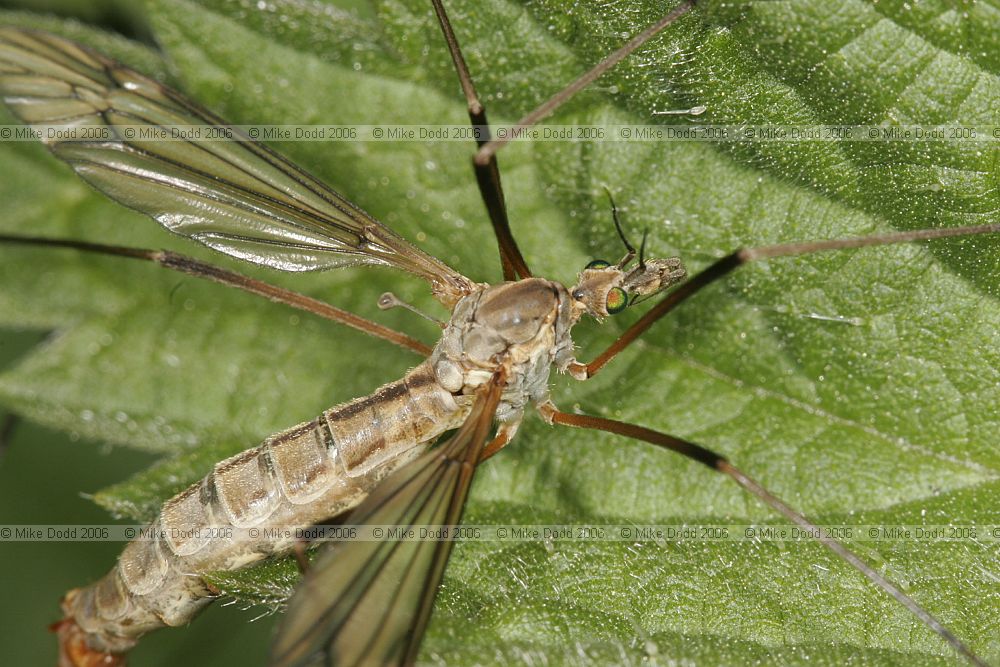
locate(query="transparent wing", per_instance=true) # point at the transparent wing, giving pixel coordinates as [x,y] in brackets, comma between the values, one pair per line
[236,196]
[368,602]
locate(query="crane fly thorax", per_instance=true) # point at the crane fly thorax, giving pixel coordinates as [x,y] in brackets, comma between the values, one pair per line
[522,326]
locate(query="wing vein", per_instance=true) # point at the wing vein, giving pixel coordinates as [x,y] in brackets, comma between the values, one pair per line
[235,195]
[369,603]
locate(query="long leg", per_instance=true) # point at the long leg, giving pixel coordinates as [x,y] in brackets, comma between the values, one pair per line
[487,152]
[720,464]
[487,172]
[485,161]
[729,263]
[193,267]
[487,156]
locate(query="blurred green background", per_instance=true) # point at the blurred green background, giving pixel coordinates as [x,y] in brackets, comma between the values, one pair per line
[118,15]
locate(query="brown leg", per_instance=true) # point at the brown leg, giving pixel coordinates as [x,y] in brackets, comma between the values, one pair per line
[719,463]
[299,550]
[504,435]
[488,151]
[193,267]
[485,162]
[733,261]
[487,172]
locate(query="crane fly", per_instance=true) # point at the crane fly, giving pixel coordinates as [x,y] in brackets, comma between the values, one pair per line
[483,405]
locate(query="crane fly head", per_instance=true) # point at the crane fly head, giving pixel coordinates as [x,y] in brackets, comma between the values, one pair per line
[604,289]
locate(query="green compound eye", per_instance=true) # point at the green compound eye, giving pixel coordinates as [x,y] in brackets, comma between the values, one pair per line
[598,264]
[617,300]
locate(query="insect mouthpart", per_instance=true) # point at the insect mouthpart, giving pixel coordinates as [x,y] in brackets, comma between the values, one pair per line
[652,276]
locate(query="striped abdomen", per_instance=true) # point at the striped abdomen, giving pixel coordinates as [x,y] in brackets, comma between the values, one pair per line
[301,476]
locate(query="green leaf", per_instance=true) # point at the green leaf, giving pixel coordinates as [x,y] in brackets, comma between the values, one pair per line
[860,386]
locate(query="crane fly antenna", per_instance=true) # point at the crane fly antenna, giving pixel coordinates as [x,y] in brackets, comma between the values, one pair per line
[639,298]
[719,463]
[198,269]
[487,172]
[629,248]
[642,249]
[732,261]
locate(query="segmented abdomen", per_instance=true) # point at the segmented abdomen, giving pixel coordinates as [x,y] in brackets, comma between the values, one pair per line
[295,478]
